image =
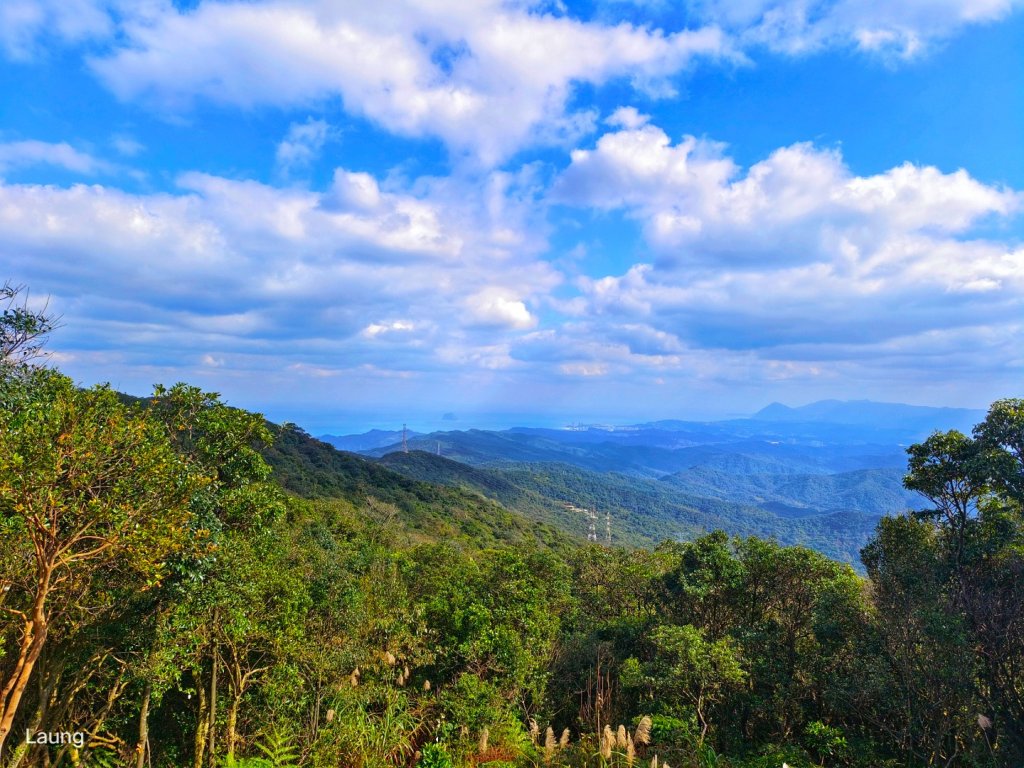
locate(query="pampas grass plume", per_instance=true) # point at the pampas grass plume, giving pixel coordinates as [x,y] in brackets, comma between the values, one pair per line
[643,731]
[549,744]
[607,742]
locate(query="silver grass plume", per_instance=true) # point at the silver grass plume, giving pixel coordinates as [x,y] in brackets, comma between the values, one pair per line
[534,732]
[643,731]
[607,742]
[484,736]
[630,751]
[549,744]
[564,741]
[620,737]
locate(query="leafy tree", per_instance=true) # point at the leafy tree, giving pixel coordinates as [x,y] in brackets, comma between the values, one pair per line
[927,697]
[89,487]
[222,443]
[1002,433]
[23,331]
[702,587]
[689,669]
[951,471]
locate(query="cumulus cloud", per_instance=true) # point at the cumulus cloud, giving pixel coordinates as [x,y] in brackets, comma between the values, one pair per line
[231,275]
[487,78]
[696,205]
[796,252]
[22,154]
[494,307]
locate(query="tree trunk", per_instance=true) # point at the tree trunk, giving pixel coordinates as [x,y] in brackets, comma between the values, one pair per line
[143,743]
[47,683]
[212,735]
[31,646]
[201,727]
[236,700]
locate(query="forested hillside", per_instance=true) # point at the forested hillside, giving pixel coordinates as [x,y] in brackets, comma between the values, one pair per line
[821,475]
[636,511]
[310,468]
[183,585]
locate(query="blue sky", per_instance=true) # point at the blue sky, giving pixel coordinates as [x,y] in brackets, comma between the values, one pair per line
[350,215]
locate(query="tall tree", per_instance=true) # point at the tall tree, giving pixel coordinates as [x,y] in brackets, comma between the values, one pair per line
[88,486]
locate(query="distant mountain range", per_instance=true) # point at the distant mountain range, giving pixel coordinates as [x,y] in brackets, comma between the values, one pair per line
[367,441]
[874,415]
[821,474]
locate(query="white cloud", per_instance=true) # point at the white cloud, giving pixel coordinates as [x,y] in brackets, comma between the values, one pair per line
[795,259]
[303,144]
[487,77]
[799,205]
[22,154]
[627,117]
[24,22]
[373,330]
[900,29]
[273,277]
[494,307]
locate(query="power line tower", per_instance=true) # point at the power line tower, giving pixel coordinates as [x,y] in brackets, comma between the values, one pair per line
[592,534]
[608,527]
[405,442]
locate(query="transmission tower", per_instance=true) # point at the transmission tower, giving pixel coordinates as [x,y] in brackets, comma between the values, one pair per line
[608,527]
[405,442]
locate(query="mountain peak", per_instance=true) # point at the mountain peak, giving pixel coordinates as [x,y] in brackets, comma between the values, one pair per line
[774,411]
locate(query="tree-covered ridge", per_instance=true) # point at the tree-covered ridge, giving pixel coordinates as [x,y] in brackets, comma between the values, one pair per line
[163,596]
[310,468]
[637,511]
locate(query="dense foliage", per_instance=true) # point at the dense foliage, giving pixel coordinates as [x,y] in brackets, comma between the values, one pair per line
[168,596]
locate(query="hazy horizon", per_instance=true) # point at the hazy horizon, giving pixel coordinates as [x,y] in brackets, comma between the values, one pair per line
[359,423]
